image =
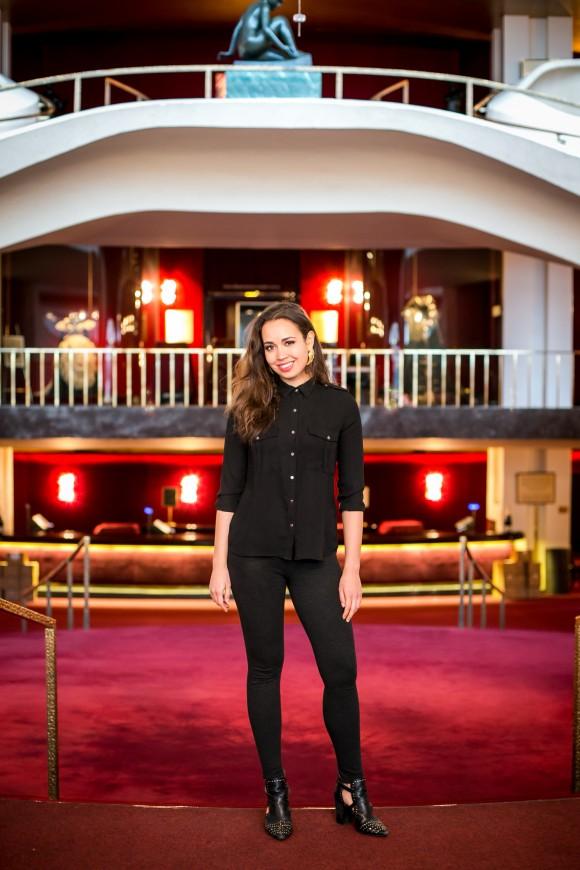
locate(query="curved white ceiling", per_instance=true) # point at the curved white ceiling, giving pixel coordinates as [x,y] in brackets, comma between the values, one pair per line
[293,173]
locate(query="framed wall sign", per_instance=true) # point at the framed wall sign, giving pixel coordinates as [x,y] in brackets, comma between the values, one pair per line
[535,487]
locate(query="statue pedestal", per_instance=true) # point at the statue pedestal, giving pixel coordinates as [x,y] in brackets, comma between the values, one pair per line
[284,81]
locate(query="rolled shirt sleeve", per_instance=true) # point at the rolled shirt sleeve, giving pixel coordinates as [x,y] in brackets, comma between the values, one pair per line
[351,462]
[234,470]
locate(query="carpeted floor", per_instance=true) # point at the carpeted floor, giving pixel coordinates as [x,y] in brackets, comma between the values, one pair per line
[542,835]
[157,715]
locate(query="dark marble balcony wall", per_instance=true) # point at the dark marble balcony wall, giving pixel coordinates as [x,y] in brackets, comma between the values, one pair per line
[477,424]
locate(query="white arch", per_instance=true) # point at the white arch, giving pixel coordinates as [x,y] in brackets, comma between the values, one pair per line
[293,173]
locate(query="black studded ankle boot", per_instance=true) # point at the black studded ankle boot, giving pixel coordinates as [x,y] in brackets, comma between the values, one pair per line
[360,812]
[278,821]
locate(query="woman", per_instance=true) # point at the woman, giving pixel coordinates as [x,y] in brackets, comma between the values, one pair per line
[287,427]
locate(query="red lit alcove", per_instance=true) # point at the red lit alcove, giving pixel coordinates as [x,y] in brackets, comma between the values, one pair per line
[116,487]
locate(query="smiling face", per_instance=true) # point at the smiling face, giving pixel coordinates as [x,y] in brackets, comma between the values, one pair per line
[286,351]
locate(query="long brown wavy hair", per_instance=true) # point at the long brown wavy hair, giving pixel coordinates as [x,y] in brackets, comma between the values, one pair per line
[255,397]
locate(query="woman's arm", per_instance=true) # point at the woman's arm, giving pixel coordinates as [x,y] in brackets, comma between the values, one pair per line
[352,522]
[220,541]
[220,587]
[232,483]
[350,499]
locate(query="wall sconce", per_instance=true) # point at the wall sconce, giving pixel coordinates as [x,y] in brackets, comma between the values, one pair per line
[67,488]
[146,295]
[178,326]
[434,486]
[146,292]
[334,290]
[359,296]
[189,489]
[168,291]
[358,289]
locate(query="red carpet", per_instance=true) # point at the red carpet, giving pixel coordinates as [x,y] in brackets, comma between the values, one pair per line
[157,715]
[542,835]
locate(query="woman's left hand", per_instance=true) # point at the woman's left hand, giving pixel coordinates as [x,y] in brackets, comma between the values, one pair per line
[350,592]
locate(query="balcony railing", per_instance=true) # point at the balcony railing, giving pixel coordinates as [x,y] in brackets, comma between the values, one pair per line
[202,377]
[206,80]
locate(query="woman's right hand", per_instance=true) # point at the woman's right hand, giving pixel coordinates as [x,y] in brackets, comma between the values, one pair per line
[220,587]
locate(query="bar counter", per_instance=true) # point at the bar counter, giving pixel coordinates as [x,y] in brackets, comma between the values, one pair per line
[186,559]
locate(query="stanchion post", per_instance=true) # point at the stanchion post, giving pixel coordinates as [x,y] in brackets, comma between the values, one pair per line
[461,614]
[70,617]
[576,724]
[86,581]
[469,590]
[51,713]
[49,625]
[483,611]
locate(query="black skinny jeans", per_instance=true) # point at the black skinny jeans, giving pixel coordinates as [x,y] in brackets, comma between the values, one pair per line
[259,585]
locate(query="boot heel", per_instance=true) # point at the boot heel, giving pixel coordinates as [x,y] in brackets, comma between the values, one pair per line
[341,812]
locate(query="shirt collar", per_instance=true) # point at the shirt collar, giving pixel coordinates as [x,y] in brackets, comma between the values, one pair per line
[305,388]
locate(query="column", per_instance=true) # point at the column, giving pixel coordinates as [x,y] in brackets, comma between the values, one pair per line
[7,489]
[537,315]
[523,37]
[553,520]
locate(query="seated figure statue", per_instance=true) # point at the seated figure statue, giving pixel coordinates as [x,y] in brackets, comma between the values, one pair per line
[259,37]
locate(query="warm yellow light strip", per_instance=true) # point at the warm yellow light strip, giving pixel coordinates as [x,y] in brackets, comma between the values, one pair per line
[202,591]
[207,549]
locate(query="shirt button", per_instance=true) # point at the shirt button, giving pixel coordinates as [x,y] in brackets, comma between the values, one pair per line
[295,389]
[291,500]
[291,453]
[291,525]
[292,431]
[291,477]
[257,437]
[328,437]
[294,409]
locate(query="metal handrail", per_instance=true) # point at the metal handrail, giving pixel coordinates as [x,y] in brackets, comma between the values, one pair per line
[83,544]
[576,720]
[50,675]
[403,85]
[465,552]
[122,87]
[339,72]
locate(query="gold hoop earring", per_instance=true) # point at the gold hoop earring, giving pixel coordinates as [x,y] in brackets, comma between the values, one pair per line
[310,357]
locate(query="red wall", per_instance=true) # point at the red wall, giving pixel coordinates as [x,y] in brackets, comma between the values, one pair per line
[185,266]
[397,487]
[111,488]
[116,488]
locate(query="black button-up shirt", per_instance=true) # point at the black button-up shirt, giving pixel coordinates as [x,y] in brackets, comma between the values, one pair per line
[280,485]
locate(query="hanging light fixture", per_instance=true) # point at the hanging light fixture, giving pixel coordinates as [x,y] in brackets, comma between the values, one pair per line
[299,18]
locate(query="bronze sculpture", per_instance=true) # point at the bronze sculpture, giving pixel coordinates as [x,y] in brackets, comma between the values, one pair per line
[259,37]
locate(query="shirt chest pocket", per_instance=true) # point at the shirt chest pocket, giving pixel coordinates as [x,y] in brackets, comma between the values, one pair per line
[321,448]
[267,449]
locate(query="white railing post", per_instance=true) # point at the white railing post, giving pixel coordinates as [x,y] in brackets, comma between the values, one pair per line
[415,376]
[78,91]
[469,97]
